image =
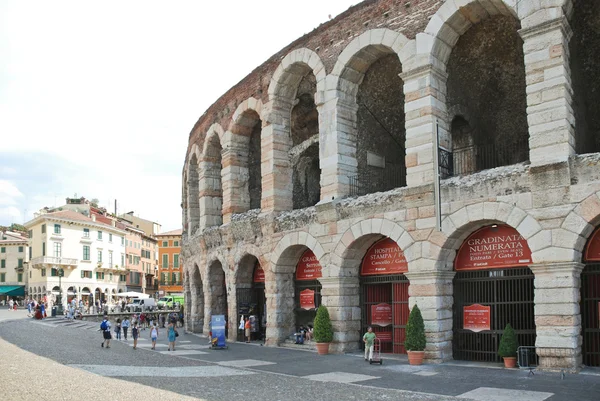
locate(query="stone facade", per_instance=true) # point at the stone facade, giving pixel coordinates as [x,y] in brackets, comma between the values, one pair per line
[552,199]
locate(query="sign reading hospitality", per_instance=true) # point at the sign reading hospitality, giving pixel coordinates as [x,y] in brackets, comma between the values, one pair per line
[307,299]
[476,317]
[592,252]
[308,267]
[384,257]
[381,315]
[493,247]
[259,275]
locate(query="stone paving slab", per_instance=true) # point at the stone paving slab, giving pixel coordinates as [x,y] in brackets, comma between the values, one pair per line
[151,371]
[340,377]
[500,394]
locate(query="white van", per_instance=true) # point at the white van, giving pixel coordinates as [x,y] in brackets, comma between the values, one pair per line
[142,305]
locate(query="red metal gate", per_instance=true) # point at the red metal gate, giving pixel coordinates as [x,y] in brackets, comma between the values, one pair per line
[386,290]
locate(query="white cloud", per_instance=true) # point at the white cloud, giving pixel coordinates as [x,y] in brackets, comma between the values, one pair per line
[9,193]
[113,89]
[10,215]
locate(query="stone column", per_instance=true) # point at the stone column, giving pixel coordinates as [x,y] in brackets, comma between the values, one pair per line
[433,292]
[337,143]
[557,315]
[235,177]
[425,104]
[279,293]
[276,167]
[341,296]
[549,90]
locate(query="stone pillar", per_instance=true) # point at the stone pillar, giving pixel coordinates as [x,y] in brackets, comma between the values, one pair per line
[196,313]
[279,293]
[211,200]
[557,315]
[337,143]
[549,90]
[276,167]
[433,292]
[341,296]
[425,104]
[235,177]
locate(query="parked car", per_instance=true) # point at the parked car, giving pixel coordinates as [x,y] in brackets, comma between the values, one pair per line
[142,305]
[170,302]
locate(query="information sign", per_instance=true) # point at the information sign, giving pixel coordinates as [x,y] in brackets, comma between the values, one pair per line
[308,267]
[476,317]
[307,299]
[381,315]
[384,257]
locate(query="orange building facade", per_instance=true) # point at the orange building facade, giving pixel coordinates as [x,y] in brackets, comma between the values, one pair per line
[170,272]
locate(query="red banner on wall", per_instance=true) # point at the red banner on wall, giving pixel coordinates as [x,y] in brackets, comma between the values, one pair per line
[307,299]
[384,257]
[308,267]
[476,317]
[259,275]
[592,251]
[381,315]
[493,247]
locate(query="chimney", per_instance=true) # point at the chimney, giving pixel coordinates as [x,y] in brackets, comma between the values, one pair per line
[93,217]
[113,223]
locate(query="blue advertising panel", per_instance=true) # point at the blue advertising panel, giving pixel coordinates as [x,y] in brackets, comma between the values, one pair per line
[217,324]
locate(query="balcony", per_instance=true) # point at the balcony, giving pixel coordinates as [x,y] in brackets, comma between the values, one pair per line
[373,180]
[170,282]
[51,261]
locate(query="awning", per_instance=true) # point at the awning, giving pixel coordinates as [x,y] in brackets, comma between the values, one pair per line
[12,290]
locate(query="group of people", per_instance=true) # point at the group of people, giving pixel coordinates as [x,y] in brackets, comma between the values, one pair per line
[304,333]
[139,322]
[13,304]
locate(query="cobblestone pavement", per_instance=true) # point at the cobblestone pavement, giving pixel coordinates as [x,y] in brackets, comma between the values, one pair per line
[252,372]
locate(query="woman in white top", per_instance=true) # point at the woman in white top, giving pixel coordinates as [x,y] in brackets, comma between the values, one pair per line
[154,336]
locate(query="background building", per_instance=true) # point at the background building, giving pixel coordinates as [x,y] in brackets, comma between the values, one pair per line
[439,153]
[14,256]
[169,267]
[88,252]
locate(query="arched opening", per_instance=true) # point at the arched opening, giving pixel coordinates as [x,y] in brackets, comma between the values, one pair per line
[85,295]
[211,191]
[307,293]
[384,294]
[306,174]
[193,190]
[590,301]
[250,296]
[380,128]
[71,293]
[493,286]
[195,301]
[486,97]
[218,291]
[585,74]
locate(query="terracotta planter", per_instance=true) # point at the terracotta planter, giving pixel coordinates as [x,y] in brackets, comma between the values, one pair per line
[323,348]
[416,357]
[510,362]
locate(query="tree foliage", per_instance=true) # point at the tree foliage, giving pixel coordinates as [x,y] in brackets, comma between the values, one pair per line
[415,331]
[508,343]
[323,332]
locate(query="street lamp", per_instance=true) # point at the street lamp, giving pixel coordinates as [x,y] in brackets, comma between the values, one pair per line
[59,307]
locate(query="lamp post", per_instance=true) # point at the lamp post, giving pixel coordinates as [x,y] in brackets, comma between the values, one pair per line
[59,307]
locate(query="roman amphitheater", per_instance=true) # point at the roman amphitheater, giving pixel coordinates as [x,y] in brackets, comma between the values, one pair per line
[439,153]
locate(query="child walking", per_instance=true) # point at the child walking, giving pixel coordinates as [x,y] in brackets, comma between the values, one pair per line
[153,336]
[118,329]
[369,339]
[134,333]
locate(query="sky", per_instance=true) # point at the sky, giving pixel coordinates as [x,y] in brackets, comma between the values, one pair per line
[97,99]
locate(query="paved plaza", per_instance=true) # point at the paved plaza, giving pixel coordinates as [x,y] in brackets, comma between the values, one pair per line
[72,363]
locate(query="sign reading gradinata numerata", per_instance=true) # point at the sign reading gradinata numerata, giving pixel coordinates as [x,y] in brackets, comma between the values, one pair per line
[307,299]
[384,257]
[493,247]
[592,251]
[308,267]
[476,317]
[381,315]
[259,275]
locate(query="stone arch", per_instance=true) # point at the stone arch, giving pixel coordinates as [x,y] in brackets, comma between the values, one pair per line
[192,190]
[354,243]
[375,162]
[210,178]
[459,225]
[242,176]
[296,67]
[195,288]
[579,224]
[216,288]
[283,253]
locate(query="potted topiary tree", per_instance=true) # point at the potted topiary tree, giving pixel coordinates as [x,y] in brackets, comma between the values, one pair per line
[508,347]
[323,332]
[415,337]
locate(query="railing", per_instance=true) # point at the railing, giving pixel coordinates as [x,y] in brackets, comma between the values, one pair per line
[482,157]
[374,180]
[168,282]
[51,260]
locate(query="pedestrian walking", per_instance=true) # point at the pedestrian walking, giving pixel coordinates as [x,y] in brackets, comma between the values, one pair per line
[135,332]
[172,331]
[43,310]
[125,326]
[369,339]
[154,336]
[118,329]
[11,303]
[105,327]
[247,327]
